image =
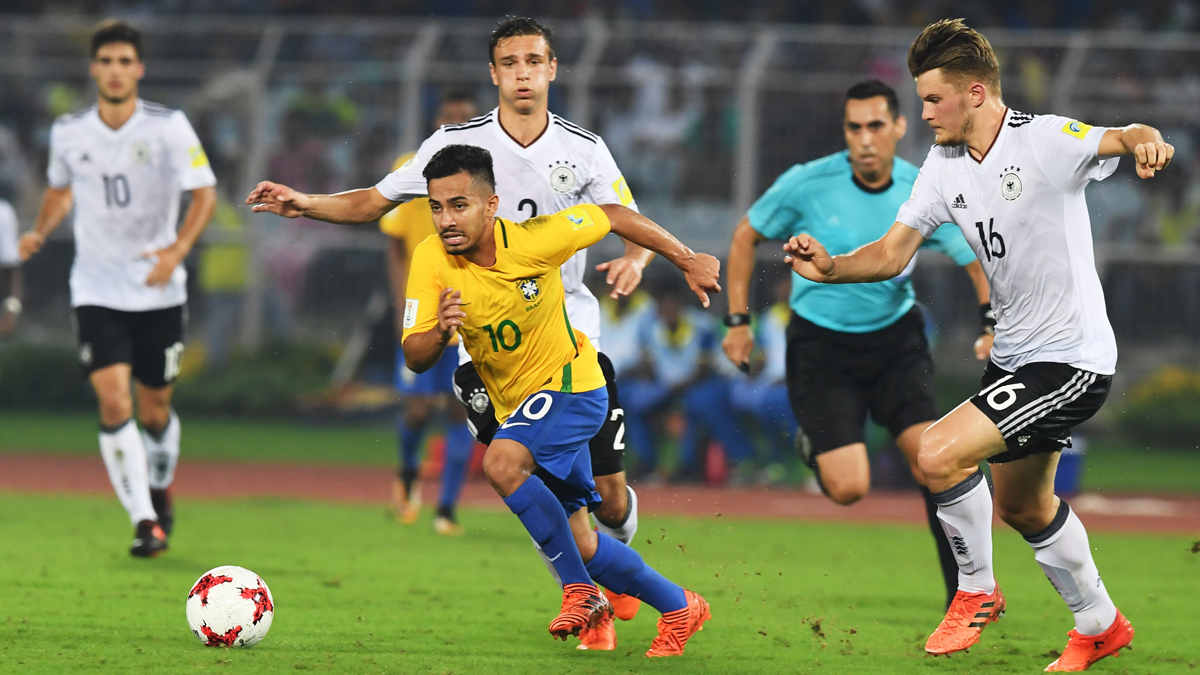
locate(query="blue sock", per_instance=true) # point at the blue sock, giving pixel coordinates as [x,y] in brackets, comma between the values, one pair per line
[621,569]
[410,445]
[545,520]
[459,444]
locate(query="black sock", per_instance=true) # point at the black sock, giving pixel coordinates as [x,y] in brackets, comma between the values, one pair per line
[408,474]
[447,512]
[945,554]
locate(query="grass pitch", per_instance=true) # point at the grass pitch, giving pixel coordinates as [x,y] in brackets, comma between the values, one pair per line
[357,593]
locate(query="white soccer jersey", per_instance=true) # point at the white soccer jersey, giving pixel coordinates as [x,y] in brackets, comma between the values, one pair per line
[10,255]
[126,186]
[1022,209]
[565,167]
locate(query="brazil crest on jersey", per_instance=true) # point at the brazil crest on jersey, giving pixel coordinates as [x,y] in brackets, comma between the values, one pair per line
[516,329]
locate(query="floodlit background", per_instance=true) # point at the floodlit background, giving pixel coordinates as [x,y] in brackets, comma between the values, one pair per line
[703,104]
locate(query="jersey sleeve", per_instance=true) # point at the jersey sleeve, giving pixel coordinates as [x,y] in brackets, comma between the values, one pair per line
[407,182]
[1068,151]
[925,210]
[777,214]
[187,155]
[559,236]
[9,252]
[424,288]
[58,172]
[607,185]
[950,241]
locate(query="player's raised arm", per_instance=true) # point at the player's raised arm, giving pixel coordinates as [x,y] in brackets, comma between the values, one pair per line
[1145,143]
[878,261]
[701,270]
[350,207]
[56,204]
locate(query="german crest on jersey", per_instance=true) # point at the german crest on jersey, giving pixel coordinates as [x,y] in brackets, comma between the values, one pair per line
[1010,183]
[562,178]
[530,289]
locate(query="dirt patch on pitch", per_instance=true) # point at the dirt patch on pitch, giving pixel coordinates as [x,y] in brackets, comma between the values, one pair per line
[369,485]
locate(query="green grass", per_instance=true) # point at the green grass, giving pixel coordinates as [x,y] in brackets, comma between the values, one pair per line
[357,593]
[1111,464]
[213,439]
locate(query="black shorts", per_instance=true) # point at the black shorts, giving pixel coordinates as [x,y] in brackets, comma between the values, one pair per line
[151,342]
[607,447]
[1036,407]
[834,379]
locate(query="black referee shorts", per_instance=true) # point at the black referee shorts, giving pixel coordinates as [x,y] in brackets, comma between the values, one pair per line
[151,342]
[1036,407]
[607,447]
[834,379]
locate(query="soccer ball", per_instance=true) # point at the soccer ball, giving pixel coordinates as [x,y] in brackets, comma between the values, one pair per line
[230,606]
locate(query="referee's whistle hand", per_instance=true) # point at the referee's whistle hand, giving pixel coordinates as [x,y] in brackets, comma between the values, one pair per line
[738,345]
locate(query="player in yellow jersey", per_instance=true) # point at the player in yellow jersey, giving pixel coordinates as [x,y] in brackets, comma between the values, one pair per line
[497,283]
[407,225]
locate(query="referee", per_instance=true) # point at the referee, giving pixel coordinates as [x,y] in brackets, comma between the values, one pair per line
[859,348]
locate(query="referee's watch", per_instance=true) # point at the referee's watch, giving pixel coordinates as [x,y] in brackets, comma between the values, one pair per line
[740,319]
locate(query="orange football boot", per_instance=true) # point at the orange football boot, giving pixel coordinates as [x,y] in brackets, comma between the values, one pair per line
[602,638]
[1084,650]
[969,613]
[625,606]
[674,628]
[583,606]
[406,507]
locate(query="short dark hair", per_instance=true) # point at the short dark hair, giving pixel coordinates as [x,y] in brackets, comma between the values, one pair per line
[872,88]
[515,26]
[455,159]
[960,51]
[111,31]
[458,96]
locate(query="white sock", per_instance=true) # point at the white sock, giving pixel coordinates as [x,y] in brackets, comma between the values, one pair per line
[549,565]
[125,457]
[1063,551]
[966,514]
[624,532]
[162,453]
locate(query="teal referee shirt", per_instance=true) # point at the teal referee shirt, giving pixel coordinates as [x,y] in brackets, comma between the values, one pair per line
[823,199]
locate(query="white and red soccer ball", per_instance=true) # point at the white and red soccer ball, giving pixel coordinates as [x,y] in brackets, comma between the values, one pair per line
[230,606]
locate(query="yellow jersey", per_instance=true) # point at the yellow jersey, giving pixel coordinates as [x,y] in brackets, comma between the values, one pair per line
[412,221]
[516,329]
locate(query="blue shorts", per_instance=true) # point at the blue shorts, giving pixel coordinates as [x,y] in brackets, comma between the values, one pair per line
[437,380]
[556,428]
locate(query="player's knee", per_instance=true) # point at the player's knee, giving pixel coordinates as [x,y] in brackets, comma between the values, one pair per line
[934,459]
[846,490]
[503,471]
[154,418]
[1026,518]
[612,512]
[115,408]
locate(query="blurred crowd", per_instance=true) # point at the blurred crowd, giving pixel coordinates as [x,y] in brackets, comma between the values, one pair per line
[1173,15]
[678,389]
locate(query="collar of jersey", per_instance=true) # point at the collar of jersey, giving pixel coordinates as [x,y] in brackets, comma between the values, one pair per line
[516,147]
[137,112]
[994,148]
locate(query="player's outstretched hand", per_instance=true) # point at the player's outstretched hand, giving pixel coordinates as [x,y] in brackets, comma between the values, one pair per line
[624,275]
[165,262]
[450,314]
[808,258]
[31,243]
[278,199]
[738,345]
[1152,157]
[703,273]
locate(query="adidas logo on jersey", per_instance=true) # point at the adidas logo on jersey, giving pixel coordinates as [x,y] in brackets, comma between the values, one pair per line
[959,202]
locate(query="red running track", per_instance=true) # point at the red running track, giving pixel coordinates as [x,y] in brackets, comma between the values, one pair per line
[370,485]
